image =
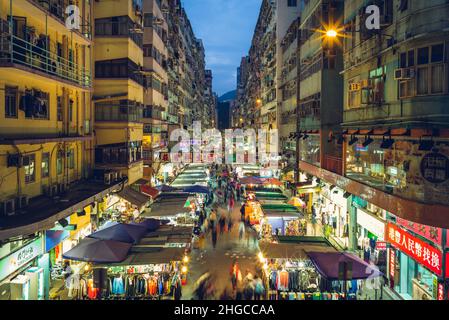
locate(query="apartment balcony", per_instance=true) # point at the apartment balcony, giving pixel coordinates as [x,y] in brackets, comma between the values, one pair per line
[18,53]
[124,27]
[55,9]
[155,113]
[128,111]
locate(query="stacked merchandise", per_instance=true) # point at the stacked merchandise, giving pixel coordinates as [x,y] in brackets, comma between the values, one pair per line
[266,232]
[296,228]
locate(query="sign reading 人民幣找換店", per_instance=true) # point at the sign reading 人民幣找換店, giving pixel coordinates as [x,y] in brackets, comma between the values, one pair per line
[422,252]
[19,258]
[435,167]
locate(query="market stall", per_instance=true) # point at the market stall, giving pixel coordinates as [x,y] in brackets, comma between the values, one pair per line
[177,207]
[282,219]
[288,272]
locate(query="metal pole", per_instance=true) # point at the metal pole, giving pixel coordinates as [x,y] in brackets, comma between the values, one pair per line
[298,99]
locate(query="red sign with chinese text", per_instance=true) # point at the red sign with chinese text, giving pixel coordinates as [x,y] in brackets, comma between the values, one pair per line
[425,254]
[433,234]
[381,245]
[440,291]
[392,263]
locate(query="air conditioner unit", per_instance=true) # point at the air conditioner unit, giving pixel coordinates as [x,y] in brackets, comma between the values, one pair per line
[107,178]
[404,74]
[8,207]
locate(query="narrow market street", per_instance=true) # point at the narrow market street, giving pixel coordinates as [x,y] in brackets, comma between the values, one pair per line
[217,261]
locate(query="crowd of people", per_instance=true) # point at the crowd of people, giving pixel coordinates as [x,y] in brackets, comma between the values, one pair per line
[225,192]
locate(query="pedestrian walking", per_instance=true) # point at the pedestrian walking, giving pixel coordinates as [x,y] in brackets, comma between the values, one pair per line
[242,211]
[222,223]
[230,224]
[241,229]
[212,219]
[236,275]
[248,291]
[214,237]
[259,289]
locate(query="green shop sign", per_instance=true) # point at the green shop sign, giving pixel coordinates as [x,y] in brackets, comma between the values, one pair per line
[20,258]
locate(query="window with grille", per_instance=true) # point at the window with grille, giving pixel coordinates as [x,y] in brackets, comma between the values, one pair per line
[45,165]
[11,94]
[29,165]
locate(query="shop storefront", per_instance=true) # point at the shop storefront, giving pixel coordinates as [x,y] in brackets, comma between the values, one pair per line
[331,209]
[282,220]
[370,233]
[23,273]
[415,263]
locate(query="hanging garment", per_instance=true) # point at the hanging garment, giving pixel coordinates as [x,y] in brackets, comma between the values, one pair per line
[118,286]
[273,280]
[283,281]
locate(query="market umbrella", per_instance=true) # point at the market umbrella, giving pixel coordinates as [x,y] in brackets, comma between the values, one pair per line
[328,265]
[121,232]
[197,189]
[251,180]
[98,251]
[272,182]
[165,188]
[150,224]
[297,202]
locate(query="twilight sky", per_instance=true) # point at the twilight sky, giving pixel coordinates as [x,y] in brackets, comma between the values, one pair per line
[226,28]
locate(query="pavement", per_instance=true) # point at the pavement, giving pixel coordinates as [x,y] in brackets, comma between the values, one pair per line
[217,261]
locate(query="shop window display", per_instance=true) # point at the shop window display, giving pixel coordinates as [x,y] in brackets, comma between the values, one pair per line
[403,170]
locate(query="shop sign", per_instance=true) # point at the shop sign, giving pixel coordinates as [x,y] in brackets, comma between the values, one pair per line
[435,167]
[371,224]
[433,234]
[424,253]
[440,291]
[20,258]
[447,265]
[392,263]
[381,245]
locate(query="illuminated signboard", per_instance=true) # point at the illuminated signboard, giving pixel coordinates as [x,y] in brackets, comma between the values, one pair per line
[422,252]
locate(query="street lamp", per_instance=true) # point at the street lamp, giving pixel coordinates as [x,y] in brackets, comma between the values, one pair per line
[331,33]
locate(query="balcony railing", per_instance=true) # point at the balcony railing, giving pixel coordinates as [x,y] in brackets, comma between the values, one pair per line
[57,9]
[129,112]
[18,51]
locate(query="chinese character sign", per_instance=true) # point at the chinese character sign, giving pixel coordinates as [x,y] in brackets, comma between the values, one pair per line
[430,233]
[422,252]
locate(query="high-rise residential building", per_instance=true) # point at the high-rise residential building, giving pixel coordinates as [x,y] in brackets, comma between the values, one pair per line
[47,138]
[119,87]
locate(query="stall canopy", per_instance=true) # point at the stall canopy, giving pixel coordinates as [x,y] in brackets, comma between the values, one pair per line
[121,232]
[296,250]
[168,206]
[251,180]
[272,182]
[99,251]
[165,188]
[328,265]
[281,211]
[152,192]
[150,224]
[197,189]
[134,197]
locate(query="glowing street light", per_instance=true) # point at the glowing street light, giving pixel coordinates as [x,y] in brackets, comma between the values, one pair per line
[331,33]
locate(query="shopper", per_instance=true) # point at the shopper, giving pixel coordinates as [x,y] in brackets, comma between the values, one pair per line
[259,289]
[241,229]
[212,219]
[236,275]
[242,211]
